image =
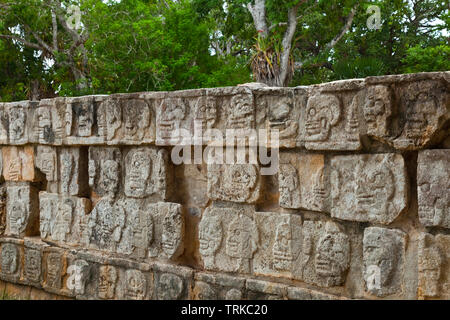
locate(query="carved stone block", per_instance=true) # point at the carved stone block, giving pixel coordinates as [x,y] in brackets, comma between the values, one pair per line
[330,120]
[278,111]
[18,164]
[384,258]
[298,293]
[228,239]
[32,270]
[82,120]
[104,170]
[264,290]
[326,253]
[127,119]
[72,167]
[22,211]
[55,265]
[17,115]
[169,230]
[46,161]
[63,219]
[433,187]
[407,111]
[172,282]
[234,182]
[279,251]
[11,260]
[434,266]
[107,282]
[146,173]
[301,182]
[47,122]
[2,210]
[218,287]
[368,188]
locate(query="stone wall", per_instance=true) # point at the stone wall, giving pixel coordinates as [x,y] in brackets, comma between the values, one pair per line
[92,205]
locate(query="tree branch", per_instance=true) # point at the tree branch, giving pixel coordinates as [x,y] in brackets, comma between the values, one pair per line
[54,31]
[258,12]
[344,30]
[23,41]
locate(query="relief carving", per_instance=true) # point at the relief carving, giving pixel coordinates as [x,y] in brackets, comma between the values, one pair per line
[135,285]
[107,282]
[10,259]
[33,265]
[383,254]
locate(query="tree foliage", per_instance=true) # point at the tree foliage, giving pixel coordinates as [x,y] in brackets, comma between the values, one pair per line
[144,45]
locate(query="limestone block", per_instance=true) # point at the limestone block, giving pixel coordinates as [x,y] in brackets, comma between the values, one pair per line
[278,110]
[433,187]
[228,238]
[107,282]
[235,115]
[32,269]
[3,196]
[18,164]
[64,219]
[301,182]
[17,118]
[408,112]
[72,167]
[172,282]
[264,290]
[331,120]
[3,124]
[81,118]
[22,211]
[105,224]
[46,161]
[298,293]
[127,119]
[11,259]
[55,266]
[279,251]
[209,286]
[47,122]
[326,253]
[146,173]
[384,259]
[434,266]
[104,170]
[234,182]
[368,188]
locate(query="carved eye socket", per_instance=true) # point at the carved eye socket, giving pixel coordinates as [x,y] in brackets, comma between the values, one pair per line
[425,187]
[312,112]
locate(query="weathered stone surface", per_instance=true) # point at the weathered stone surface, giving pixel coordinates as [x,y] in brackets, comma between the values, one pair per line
[433,187]
[434,266]
[2,210]
[22,211]
[407,111]
[172,282]
[278,110]
[64,219]
[279,250]
[18,164]
[330,120]
[11,257]
[46,161]
[384,259]
[104,170]
[297,293]
[301,182]
[228,239]
[146,173]
[264,290]
[234,182]
[216,286]
[326,253]
[156,231]
[81,119]
[368,188]
[47,122]
[17,118]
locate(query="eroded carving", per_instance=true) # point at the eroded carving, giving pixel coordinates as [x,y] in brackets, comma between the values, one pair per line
[135,285]
[33,265]
[21,211]
[169,287]
[107,282]
[10,259]
[433,188]
[383,254]
[370,188]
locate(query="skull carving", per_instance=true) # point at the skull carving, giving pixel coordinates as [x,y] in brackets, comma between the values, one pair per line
[322,113]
